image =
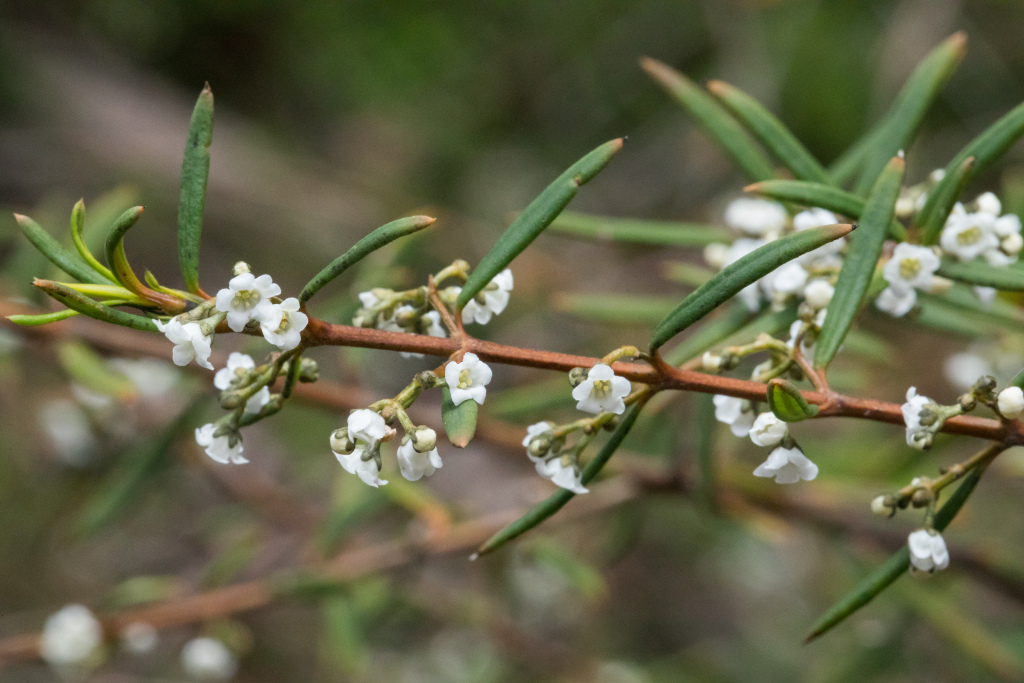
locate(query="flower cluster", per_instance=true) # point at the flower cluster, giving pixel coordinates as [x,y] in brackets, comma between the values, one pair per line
[787,463]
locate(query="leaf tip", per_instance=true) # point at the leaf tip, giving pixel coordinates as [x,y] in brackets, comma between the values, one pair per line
[718,87]
[958,41]
[207,90]
[754,187]
[21,218]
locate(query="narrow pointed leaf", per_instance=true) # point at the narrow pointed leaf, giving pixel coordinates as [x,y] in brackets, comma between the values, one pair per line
[787,402]
[56,253]
[535,217]
[893,568]
[114,249]
[557,500]
[716,122]
[42,318]
[981,274]
[92,308]
[689,274]
[195,171]
[77,227]
[459,420]
[382,236]
[746,271]
[902,121]
[656,233]
[734,327]
[822,196]
[932,217]
[617,309]
[771,133]
[861,259]
[705,488]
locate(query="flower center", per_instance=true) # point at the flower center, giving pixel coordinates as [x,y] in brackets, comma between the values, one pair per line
[969,236]
[246,299]
[285,323]
[909,268]
[602,388]
[465,381]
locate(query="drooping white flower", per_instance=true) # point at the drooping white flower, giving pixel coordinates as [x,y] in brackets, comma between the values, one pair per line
[70,636]
[601,391]
[963,369]
[928,552]
[366,429]
[491,301]
[561,474]
[912,416]
[910,266]
[238,364]
[756,216]
[283,323]
[787,466]
[1011,402]
[416,465]
[208,659]
[219,447]
[968,235]
[189,342]
[139,637]
[818,293]
[735,412]
[534,431]
[896,302]
[245,297]
[768,430]
[468,379]
[367,469]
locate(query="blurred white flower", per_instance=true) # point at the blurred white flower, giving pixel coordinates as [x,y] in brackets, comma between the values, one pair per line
[789,278]
[910,266]
[768,430]
[491,301]
[912,416]
[963,369]
[431,324]
[787,466]
[208,660]
[1011,402]
[755,216]
[153,378]
[601,391]
[928,551]
[283,323]
[564,475]
[896,302]
[416,465]
[189,342]
[468,379]
[989,203]
[245,298]
[968,235]
[219,447]
[818,293]
[139,637]
[67,428]
[738,413]
[70,637]
[826,253]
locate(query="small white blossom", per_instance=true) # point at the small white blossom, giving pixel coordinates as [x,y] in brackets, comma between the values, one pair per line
[245,298]
[566,476]
[789,278]
[756,216]
[826,254]
[283,323]
[237,365]
[1011,402]
[896,302]
[715,254]
[491,301]
[208,659]
[431,323]
[67,427]
[912,416]
[928,551]
[1013,243]
[468,379]
[989,203]
[139,637]
[601,391]
[963,369]
[70,637]
[365,428]
[219,447]
[910,266]
[735,412]
[768,430]
[416,465]
[534,431]
[367,469]
[787,466]
[969,235]
[818,293]
[189,342]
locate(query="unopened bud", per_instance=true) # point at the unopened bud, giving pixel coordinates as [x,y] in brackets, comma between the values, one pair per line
[241,268]
[577,376]
[712,362]
[715,254]
[424,439]
[884,506]
[1013,243]
[309,371]
[539,446]
[1011,402]
[921,497]
[341,442]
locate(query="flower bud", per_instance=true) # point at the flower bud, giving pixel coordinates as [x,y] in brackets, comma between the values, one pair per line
[712,362]
[1011,402]
[240,268]
[921,497]
[309,371]
[884,506]
[539,446]
[341,442]
[715,254]
[940,285]
[1013,243]
[424,439]
[819,293]
[577,376]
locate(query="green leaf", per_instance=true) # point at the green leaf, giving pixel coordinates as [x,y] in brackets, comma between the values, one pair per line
[861,259]
[617,309]
[557,500]
[706,484]
[902,120]
[535,217]
[343,642]
[932,217]
[981,274]
[657,233]
[893,568]
[90,370]
[382,236]
[822,196]
[770,132]
[195,171]
[688,274]
[713,119]
[42,318]
[77,228]
[114,250]
[459,420]
[92,308]
[57,254]
[715,329]
[786,401]
[745,271]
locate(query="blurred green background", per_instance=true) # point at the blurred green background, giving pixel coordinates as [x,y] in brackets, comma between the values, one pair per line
[333,118]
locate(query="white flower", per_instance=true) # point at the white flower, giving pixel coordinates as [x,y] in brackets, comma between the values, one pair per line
[818,293]
[139,637]
[755,216]
[70,636]
[431,324]
[1007,226]
[896,302]
[912,416]
[369,299]
[986,295]
[238,363]
[563,475]
[789,278]
[989,203]
[1013,243]
[715,254]
[928,551]
[366,469]
[735,412]
[963,369]
[601,391]
[768,430]
[245,298]
[468,379]
[534,431]
[491,301]
[219,447]
[815,218]
[968,235]
[416,465]
[189,342]
[365,428]
[67,427]
[283,323]
[208,659]
[910,266]
[1011,402]
[788,466]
